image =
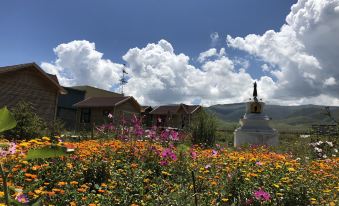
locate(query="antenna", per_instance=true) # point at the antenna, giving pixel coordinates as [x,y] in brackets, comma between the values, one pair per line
[123,80]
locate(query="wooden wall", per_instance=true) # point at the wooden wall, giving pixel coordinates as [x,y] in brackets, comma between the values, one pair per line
[28,85]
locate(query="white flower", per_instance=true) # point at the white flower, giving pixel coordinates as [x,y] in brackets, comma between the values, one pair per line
[335,150]
[319,143]
[324,156]
[329,143]
[318,149]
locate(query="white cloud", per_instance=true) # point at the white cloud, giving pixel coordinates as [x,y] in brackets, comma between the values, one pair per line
[78,63]
[203,56]
[214,38]
[265,68]
[330,81]
[304,51]
[161,76]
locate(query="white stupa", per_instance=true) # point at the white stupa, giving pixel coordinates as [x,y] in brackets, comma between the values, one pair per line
[255,129]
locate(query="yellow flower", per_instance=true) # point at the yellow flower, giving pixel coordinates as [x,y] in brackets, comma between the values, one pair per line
[2,194]
[165,173]
[275,185]
[46,138]
[291,169]
[37,191]
[224,199]
[146,180]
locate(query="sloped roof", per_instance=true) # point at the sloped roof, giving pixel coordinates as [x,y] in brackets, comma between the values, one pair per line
[49,77]
[174,108]
[192,108]
[104,102]
[165,109]
[144,108]
[98,91]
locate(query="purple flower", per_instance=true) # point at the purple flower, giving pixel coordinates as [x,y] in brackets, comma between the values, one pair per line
[167,154]
[22,198]
[163,163]
[262,195]
[214,152]
[193,154]
[258,163]
[11,149]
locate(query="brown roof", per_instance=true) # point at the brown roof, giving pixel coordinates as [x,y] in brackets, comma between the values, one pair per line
[165,109]
[174,108]
[49,77]
[192,108]
[104,101]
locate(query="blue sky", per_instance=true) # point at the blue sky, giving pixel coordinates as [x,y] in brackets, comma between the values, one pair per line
[31,29]
[282,44]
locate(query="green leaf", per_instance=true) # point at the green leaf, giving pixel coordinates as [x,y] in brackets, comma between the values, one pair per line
[7,120]
[46,152]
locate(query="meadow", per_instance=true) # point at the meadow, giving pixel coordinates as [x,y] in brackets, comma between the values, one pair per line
[152,167]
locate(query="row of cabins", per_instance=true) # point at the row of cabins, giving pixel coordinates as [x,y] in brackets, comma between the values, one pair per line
[81,107]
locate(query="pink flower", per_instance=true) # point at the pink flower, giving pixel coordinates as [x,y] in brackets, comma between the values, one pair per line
[110,116]
[258,163]
[193,154]
[214,152]
[262,195]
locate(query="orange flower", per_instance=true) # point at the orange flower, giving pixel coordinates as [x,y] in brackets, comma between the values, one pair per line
[62,183]
[81,190]
[73,183]
[134,165]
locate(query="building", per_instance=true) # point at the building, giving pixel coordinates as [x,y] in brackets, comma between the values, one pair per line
[176,115]
[67,112]
[96,92]
[29,83]
[95,110]
[147,118]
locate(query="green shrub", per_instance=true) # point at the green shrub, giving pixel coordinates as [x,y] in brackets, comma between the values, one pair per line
[29,124]
[204,129]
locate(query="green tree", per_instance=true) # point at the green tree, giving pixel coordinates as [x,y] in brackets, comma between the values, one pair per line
[204,129]
[29,124]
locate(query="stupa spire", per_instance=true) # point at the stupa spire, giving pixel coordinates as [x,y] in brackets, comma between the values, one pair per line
[255,93]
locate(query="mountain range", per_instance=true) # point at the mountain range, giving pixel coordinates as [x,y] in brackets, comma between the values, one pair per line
[283,117]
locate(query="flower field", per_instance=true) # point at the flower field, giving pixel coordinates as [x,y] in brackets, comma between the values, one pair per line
[146,172]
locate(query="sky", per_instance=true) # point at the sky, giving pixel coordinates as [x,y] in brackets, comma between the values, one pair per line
[193,51]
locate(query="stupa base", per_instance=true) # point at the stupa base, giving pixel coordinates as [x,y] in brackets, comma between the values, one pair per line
[243,137]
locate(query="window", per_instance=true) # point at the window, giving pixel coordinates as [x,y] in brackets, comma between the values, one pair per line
[85,115]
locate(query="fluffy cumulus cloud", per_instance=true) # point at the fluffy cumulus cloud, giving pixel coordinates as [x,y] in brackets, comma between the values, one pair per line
[304,53]
[156,74]
[79,63]
[159,75]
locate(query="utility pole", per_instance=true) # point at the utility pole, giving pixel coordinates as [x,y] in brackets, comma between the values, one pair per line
[123,80]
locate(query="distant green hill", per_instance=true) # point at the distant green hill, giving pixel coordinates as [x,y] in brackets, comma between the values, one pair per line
[283,117]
